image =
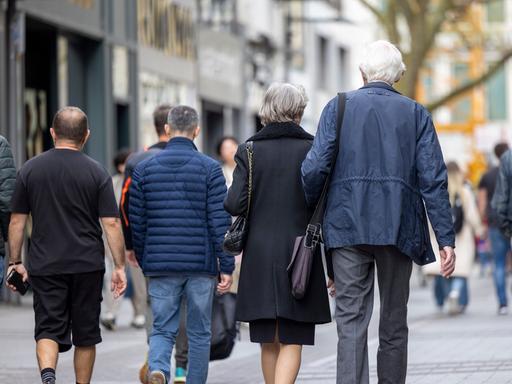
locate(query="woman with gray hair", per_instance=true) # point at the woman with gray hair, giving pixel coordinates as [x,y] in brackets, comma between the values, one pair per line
[278,214]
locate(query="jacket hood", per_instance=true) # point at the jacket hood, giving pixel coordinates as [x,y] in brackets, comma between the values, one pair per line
[280,130]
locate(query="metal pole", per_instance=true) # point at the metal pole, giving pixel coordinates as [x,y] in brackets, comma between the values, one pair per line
[288,45]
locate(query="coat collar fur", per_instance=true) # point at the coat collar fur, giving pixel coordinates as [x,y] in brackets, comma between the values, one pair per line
[280,130]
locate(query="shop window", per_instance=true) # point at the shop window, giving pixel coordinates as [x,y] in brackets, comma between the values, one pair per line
[496,96]
[323,62]
[496,11]
[342,69]
[462,108]
[218,14]
[168,27]
[428,83]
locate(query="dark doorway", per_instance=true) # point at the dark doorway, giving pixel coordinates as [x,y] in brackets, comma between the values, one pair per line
[122,127]
[213,126]
[41,94]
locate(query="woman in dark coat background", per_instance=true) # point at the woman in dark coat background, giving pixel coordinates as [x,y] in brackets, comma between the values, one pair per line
[278,214]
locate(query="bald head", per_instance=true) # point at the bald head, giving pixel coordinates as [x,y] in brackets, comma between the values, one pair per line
[71,124]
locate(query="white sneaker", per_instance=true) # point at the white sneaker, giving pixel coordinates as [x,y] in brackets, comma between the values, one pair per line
[453,303]
[503,311]
[139,321]
[157,377]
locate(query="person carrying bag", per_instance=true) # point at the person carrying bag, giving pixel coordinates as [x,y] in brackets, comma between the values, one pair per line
[307,246]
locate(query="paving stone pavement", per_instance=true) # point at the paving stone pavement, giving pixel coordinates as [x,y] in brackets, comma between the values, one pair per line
[474,348]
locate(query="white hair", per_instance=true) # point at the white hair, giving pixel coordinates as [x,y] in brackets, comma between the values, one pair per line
[283,102]
[382,62]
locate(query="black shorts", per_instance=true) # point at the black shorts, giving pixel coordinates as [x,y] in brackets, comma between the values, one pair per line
[68,305]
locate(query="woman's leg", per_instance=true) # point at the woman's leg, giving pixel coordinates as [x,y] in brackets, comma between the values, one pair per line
[269,355]
[288,363]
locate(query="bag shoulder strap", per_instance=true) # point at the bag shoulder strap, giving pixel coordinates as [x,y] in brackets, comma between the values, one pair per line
[249,147]
[318,215]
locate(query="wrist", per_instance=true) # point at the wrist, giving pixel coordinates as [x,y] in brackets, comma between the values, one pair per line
[12,263]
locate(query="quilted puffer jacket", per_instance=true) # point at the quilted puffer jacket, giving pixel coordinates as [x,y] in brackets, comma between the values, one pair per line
[389,169]
[7,180]
[502,198]
[176,212]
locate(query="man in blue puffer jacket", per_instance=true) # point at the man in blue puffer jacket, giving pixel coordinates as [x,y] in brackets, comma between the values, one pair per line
[178,226]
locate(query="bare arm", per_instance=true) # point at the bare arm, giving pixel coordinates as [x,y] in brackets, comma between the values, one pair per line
[16,230]
[112,227]
[113,231]
[482,202]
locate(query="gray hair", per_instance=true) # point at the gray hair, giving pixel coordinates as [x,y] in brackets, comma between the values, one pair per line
[382,62]
[283,102]
[183,119]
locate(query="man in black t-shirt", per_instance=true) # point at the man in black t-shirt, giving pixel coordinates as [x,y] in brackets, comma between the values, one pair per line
[67,194]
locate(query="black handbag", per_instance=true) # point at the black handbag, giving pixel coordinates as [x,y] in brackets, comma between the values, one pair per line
[224,326]
[235,238]
[457,214]
[307,245]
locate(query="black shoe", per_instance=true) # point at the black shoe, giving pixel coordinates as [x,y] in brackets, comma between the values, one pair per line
[109,324]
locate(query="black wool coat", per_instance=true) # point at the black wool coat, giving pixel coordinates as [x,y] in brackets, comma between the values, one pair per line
[278,214]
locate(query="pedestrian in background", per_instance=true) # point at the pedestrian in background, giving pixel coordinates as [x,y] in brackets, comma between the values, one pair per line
[390,166]
[178,226]
[500,244]
[67,193]
[467,224]
[7,179]
[277,215]
[226,150]
[136,279]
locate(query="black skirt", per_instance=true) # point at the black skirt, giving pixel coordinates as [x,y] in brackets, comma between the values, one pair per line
[288,331]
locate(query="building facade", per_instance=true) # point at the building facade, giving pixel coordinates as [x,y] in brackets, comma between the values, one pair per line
[119,59]
[70,52]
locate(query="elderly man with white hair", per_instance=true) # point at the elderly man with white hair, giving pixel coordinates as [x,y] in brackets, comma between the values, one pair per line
[389,170]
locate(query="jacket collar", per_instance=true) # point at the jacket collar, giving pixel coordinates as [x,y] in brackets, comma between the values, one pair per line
[181,142]
[380,84]
[279,130]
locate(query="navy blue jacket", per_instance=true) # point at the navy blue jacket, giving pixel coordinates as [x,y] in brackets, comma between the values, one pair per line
[176,212]
[390,167]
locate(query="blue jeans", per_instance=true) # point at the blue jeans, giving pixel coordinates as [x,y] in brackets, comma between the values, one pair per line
[500,246]
[165,293]
[442,287]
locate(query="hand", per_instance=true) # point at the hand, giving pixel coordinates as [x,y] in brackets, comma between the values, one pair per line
[118,282]
[225,283]
[132,260]
[447,261]
[20,268]
[331,288]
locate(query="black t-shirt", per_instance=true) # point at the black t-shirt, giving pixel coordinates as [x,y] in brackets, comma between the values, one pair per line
[66,192]
[488,182]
